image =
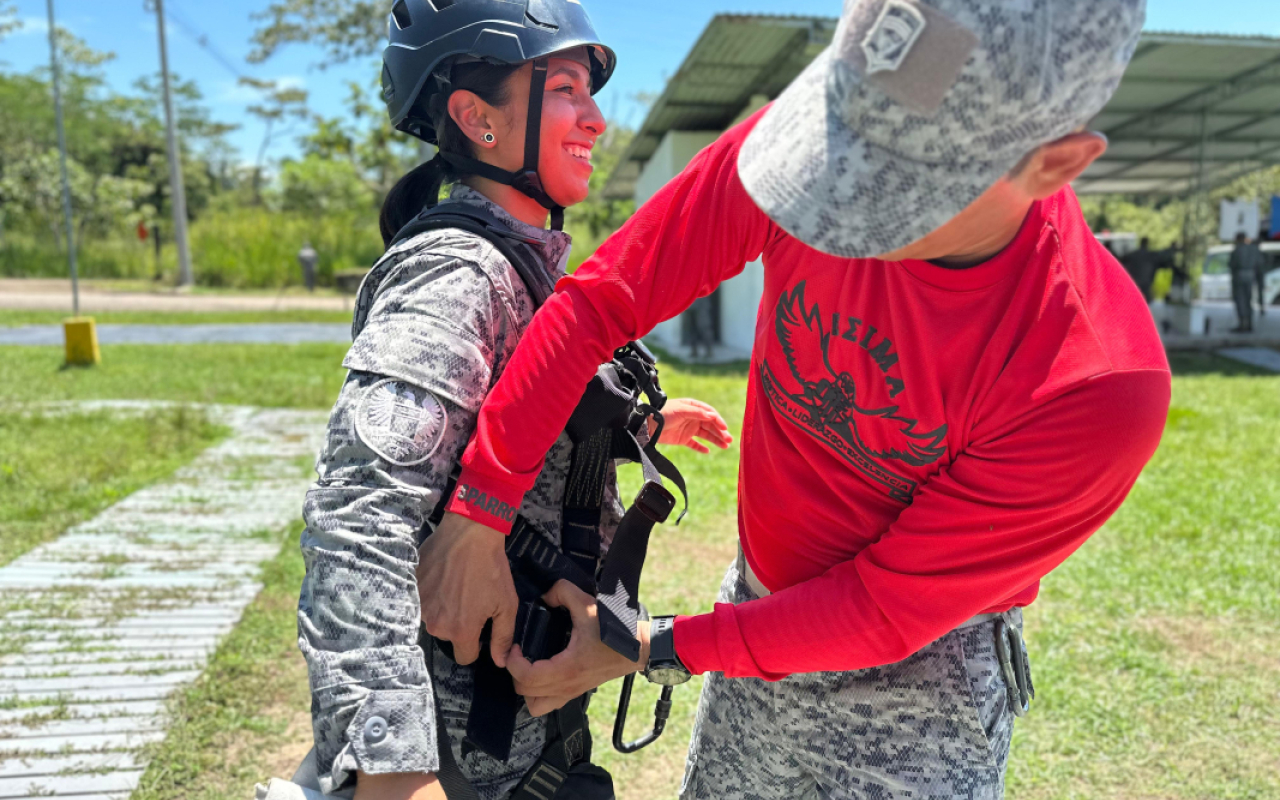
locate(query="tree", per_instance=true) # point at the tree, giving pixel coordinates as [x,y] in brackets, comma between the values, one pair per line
[9,21]
[116,150]
[279,103]
[319,185]
[346,29]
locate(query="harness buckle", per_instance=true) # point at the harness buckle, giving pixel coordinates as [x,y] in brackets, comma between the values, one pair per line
[655,502]
[542,782]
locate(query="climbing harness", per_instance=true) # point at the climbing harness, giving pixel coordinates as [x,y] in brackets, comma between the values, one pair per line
[618,404]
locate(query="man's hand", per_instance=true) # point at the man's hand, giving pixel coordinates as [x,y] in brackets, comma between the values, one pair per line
[464,580]
[585,664]
[686,420]
[409,786]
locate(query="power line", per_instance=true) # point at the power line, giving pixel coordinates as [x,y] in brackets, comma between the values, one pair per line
[202,39]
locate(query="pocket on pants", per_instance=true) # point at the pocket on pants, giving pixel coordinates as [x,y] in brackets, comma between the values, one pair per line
[988,690]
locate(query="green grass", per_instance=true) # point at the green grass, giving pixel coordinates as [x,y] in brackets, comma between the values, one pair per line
[58,470]
[299,376]
[1153,647]
[13,319]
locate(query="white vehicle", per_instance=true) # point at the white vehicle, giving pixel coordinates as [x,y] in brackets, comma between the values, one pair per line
[1215,280]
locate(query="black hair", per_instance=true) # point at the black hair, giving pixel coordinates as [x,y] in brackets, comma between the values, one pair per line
[420,188]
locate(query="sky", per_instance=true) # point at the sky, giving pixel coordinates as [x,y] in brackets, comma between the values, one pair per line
[651,38]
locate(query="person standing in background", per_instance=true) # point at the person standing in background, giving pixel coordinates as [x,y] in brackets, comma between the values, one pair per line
[1243,265]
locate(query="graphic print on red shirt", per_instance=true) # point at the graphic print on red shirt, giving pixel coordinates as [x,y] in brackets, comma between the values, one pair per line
[831,367]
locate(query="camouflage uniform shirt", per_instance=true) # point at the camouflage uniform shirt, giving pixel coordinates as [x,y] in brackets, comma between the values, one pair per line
[428,345]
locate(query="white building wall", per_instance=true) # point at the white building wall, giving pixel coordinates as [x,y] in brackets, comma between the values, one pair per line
[674,153]
[739,296]
[739,301]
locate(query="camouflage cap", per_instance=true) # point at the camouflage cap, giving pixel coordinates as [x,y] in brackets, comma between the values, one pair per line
[920,106]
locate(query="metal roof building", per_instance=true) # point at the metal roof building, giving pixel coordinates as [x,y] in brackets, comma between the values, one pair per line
[1188,102]
[1192,112]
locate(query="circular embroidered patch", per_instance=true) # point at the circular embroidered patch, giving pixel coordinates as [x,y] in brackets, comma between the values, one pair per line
[400,422]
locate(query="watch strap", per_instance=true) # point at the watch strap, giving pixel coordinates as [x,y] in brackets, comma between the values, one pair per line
[662,644]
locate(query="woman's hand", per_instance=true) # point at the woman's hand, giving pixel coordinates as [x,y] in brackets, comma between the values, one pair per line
[464,580]
[582,666]
[408,786]
[687,420]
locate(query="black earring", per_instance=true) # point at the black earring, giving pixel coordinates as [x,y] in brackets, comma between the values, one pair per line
[489,138]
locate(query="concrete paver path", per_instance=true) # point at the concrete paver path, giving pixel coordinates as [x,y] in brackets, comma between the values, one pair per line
[100,626]
[1263,357]
[258,333]
[40,294]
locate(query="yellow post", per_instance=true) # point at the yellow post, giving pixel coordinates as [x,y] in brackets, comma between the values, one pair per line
[82,342]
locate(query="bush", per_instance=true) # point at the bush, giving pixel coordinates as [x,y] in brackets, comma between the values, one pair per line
[25,256]
[257,249]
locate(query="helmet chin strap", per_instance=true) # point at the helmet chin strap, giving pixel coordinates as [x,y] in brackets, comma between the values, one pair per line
[526,180]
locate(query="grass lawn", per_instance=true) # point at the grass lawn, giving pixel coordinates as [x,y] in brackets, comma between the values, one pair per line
[1153,647]
[61,469]
[298,376]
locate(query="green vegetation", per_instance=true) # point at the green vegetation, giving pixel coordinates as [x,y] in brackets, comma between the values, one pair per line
[298,376]
[1153,647]
[248,222]
[60,469]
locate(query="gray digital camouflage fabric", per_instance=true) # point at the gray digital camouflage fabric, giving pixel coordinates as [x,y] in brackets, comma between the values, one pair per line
[935,725]
[428,346]
[919,106]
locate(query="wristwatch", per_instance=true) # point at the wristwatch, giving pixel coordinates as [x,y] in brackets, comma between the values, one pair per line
[664,667]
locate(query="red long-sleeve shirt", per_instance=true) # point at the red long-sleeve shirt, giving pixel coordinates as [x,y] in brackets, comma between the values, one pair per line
[920,445]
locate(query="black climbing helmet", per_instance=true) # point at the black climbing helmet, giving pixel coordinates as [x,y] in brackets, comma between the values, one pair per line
[428,36]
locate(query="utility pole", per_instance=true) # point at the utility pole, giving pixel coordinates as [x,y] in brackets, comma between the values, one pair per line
[179,195]
[62,154]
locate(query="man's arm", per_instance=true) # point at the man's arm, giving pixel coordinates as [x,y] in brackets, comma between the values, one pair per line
[1004,514]
[699,230]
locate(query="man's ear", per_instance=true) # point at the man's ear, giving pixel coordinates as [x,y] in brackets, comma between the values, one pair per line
[472,115]
[1058,163]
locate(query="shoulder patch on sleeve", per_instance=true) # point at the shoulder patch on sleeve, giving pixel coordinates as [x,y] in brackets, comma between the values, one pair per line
[400,422]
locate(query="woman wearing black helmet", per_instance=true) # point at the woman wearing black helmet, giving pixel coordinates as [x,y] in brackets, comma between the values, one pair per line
[505,90]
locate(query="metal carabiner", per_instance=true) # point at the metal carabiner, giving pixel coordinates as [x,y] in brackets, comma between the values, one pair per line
[1011,651]
[660,714]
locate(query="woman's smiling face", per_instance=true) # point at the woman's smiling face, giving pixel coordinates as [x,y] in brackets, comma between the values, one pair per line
[571,124]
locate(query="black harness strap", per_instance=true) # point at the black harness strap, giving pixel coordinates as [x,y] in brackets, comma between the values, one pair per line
[603,428]
[473,219]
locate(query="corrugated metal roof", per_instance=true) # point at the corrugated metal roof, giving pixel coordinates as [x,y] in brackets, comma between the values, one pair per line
[1190,102]
[737,57]
[1190,106]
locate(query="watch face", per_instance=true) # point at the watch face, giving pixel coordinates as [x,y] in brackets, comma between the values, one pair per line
[667,676]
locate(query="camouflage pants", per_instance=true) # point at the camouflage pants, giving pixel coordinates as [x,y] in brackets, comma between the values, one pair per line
[934,725]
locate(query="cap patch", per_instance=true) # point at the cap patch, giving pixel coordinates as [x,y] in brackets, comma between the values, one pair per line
[913,53]
[400,422]
[892,36]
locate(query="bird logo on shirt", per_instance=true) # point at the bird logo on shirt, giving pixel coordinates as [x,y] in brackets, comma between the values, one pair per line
[844,394]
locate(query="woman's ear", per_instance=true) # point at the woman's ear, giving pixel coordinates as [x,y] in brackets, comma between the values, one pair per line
[473,116]
[1058,163]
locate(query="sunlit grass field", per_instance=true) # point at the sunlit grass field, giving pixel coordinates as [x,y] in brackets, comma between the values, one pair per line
[1153,648]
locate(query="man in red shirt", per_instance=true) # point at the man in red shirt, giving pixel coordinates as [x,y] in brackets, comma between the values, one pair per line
[953,385]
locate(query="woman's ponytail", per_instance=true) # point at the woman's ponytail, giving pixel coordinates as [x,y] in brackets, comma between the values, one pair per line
[418,189]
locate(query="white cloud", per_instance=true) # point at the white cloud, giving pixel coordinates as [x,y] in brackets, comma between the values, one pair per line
[32,26]
[231,92]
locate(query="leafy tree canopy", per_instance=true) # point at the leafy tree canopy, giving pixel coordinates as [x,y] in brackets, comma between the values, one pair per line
[345,29]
